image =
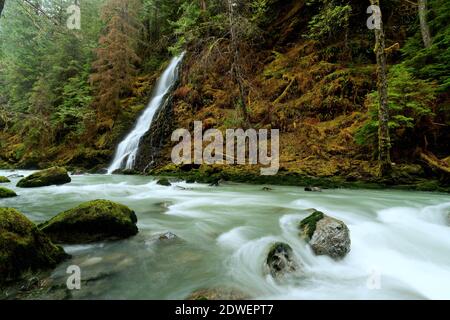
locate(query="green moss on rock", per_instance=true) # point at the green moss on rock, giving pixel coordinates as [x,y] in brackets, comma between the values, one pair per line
[48,177]
[23,247]
[6,193]
[308,225]
[4,179]
[92,221]
[164,182]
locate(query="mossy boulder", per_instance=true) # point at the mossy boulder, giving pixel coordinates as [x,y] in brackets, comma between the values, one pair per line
[48,177]
[23,247]
[6,193]
[280,260]
[164,182]
[4,179]
[326,235]
[92,221]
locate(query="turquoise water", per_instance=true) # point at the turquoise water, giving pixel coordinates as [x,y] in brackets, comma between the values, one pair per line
[400,240]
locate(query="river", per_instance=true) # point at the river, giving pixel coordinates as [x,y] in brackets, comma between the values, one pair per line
[400,240]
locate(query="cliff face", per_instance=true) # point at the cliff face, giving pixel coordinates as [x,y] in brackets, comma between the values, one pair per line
[317,94]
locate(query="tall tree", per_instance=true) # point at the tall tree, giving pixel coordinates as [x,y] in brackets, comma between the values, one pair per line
[116,61]
[424,28]
[236,68]
[384,141]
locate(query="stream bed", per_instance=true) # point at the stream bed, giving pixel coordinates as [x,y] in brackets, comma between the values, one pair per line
[400,240]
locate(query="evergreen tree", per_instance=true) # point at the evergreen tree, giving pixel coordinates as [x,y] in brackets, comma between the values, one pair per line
[116,61]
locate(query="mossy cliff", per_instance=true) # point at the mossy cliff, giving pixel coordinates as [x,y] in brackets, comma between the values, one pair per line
[319,94]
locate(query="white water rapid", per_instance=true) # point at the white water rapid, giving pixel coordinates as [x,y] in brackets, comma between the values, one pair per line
[400,240]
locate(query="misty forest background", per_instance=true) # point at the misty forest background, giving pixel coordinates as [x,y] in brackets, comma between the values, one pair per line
[310,68]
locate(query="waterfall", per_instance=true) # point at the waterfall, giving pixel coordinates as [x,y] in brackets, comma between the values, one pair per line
[127,150]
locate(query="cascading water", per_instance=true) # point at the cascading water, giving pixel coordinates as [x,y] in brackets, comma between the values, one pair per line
[127,150]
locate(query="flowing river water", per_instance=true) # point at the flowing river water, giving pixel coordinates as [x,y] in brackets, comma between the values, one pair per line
[400,240]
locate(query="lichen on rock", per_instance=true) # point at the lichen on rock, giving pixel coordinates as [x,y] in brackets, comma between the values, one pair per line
[326,235]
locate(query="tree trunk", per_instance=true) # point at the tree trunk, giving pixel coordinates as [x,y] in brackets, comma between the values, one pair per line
[424,29]
[203,5]
[384,141]
[2,4]
[236,70]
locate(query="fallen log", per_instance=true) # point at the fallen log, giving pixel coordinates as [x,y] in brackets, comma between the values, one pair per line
[435,163]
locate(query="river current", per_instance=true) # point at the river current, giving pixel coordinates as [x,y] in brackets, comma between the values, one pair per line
[400,240]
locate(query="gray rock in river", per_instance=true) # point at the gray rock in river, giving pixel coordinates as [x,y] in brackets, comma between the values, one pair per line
[280,260]
[313,189]
[326,235]
[168,236]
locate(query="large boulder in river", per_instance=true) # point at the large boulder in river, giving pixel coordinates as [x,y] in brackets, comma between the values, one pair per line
[4,179]
[280,260]
[24,247]
[326,235]
[92,221]
[6,193]
[48,177]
